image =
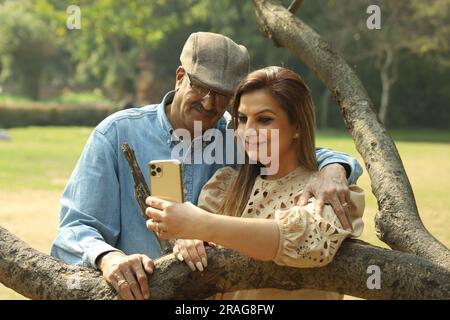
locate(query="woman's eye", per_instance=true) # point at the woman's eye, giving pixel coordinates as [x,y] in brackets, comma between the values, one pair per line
[265,120]
[242,119]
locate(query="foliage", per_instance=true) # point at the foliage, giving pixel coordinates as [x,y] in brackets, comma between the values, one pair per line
[104,54]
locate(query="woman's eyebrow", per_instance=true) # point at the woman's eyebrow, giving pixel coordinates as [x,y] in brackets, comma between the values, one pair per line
[264,110]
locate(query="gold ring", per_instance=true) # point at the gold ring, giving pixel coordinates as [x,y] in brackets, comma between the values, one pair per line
[345,204]
[122,282]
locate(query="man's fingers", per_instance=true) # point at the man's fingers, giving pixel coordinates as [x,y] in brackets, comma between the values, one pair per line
[306,195]
[344,198]
[122,287]
[147,263]
[133,284]
[142,279]
[318,206]
[339,211]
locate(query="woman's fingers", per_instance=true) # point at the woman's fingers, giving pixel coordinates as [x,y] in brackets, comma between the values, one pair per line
[153,213]
[176,252]
[201,252]
[157,203]
[193,249]
[185,254]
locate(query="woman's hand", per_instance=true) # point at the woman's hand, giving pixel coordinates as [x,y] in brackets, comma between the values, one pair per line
[171,220]
[192,252]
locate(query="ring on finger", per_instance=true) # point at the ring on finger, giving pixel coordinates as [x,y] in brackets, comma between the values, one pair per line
[122,283]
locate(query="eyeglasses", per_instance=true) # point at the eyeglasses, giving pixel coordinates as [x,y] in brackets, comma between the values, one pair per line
[204,93]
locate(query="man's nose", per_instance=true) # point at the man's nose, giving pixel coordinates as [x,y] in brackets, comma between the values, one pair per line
[208,102]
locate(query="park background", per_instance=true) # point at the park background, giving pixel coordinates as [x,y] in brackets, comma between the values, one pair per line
[56,84]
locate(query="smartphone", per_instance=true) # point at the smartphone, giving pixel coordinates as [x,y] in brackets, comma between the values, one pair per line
[166,179]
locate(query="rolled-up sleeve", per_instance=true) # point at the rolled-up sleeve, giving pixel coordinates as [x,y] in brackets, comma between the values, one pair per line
[90,206]
[328,156]
[310,240]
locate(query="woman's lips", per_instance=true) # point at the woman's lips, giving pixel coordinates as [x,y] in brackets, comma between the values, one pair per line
[255,144]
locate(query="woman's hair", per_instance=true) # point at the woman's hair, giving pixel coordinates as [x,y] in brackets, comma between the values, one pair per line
[293,95]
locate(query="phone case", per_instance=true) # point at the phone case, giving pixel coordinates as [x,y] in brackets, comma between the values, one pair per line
[166,179]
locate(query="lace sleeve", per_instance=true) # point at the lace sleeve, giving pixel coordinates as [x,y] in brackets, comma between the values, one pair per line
[213,192]
[310,240]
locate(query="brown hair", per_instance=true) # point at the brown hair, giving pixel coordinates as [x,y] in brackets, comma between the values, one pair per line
[291,92]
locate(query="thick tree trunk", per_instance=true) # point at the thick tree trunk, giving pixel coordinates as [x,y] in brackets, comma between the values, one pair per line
[397,221]
[403,276]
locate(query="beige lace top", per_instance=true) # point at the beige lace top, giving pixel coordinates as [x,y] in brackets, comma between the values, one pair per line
[306,239]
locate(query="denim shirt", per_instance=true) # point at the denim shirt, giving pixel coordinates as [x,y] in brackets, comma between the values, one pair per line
[99,211]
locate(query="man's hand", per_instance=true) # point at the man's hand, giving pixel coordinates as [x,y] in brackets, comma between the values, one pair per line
[331,187]
[127,274]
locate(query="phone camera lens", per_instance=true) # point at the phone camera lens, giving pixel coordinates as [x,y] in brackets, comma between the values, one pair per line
[153,166]
[158,169]
[153,173]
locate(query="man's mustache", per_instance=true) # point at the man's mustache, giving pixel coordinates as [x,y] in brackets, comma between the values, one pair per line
[198,106]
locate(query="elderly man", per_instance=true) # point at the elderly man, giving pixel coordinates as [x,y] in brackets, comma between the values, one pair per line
[100,224]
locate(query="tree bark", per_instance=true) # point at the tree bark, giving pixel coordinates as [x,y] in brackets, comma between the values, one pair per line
[403,276]
[397,221]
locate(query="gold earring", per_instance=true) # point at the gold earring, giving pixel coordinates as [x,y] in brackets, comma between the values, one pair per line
[296,135]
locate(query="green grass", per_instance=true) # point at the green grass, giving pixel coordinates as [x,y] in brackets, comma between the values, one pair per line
[38,158]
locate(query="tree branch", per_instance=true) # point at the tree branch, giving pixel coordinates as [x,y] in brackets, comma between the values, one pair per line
[403,276]
[293,7]
[397,221]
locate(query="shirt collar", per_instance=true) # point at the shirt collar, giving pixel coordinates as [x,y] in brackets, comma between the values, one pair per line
[164,120]
[162,116]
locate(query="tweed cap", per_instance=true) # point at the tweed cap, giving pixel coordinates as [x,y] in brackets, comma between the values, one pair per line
[215,61]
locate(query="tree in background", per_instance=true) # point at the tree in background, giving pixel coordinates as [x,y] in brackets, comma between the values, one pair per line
[417,27]
[26,46]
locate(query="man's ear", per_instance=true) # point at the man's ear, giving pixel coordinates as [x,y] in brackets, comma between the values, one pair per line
[180,73]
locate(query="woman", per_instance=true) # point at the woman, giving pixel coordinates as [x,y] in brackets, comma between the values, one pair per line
[258,215]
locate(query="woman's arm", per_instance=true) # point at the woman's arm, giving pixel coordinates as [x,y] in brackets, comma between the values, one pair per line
[256,238]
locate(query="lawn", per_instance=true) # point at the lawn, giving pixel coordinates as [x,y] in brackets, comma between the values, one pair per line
[36,163]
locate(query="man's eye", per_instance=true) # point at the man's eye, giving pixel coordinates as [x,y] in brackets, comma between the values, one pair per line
[265,120]
[242,119]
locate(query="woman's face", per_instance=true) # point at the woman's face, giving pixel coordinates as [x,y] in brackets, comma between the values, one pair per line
[259,110]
